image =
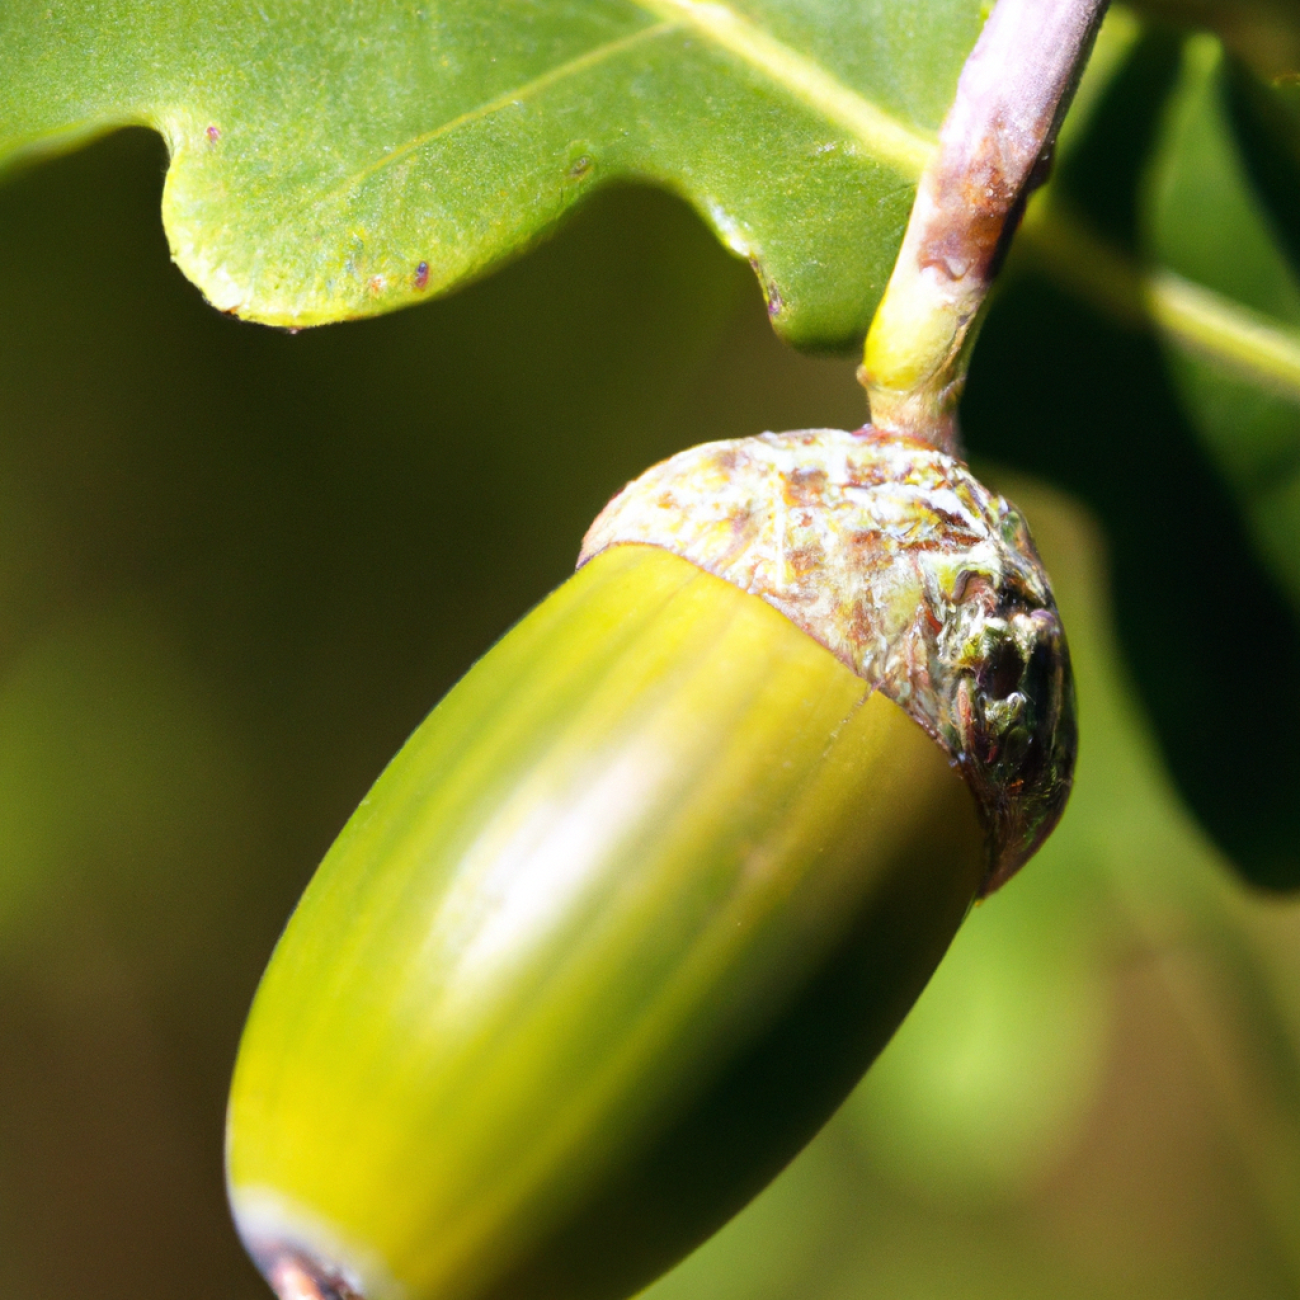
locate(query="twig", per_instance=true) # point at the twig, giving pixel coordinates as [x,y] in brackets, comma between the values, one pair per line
[994,149]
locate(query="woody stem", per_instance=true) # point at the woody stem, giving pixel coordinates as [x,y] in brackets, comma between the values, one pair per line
[994,150]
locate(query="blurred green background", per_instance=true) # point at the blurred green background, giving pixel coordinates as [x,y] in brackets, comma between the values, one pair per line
[237,567]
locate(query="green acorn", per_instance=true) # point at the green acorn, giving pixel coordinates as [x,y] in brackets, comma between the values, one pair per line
[630,913]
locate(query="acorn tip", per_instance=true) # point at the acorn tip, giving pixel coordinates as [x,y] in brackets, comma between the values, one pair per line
[293,1276]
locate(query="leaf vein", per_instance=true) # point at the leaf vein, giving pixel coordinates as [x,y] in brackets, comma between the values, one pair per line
[1257,347]
[578,64]
[904,148]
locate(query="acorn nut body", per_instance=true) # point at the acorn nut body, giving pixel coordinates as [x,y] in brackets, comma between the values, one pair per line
[633,909]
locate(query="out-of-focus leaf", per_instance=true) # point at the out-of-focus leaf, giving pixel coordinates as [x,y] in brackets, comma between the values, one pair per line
[1204,219]
[986,1086]
[1088,400]
[1067,393]
[1266,120]
[1206,223]
[1104,165]
[1266,33]
[341,159]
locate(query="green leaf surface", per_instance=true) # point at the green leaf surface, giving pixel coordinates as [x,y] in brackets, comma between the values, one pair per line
[341,159]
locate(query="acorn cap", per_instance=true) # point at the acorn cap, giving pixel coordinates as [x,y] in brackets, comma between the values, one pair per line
[895,557]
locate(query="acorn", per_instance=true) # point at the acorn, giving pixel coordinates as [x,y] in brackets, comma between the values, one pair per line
[633,909]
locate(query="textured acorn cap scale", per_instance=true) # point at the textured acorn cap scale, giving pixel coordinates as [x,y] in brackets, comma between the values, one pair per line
[634,908]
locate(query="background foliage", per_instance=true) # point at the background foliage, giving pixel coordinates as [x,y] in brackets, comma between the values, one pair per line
[237,566]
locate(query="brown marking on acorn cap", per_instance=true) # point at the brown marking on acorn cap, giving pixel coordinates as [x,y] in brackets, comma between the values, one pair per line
[889,552]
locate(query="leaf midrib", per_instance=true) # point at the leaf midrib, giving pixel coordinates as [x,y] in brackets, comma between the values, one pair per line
[904,148]
[591,58]
[1256,346]
[889,141]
